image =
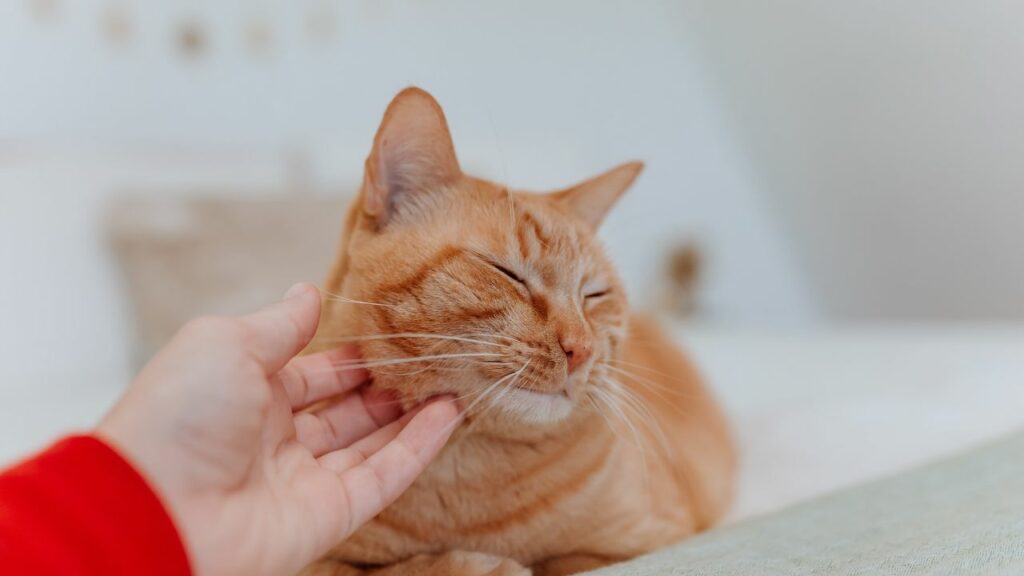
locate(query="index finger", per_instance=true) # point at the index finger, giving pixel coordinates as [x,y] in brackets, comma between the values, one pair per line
[310,379]
[375,483]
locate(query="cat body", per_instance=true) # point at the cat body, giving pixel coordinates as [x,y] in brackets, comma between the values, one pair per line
[588,437]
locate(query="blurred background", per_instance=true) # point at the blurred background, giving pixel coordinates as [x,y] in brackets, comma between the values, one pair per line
[831,205]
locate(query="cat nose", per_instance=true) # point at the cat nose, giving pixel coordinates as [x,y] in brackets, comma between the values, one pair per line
[577,351]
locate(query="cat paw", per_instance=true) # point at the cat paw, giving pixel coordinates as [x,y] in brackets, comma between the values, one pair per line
[481,564]
[453,563]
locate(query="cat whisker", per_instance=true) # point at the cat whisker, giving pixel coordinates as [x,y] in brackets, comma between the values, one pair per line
[511,208]
[358,364]
[492,335]
[496,400]
[600,412]
[437,365]
[632,365]
[424,335]
[653,385]
[610,402]
[399,401]
[637,366]
[425,357]
[331,296]
[434,366]
[476,365]
[479,396]
[630,400]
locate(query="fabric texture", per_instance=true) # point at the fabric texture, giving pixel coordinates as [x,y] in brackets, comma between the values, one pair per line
[80,509]
[960,516]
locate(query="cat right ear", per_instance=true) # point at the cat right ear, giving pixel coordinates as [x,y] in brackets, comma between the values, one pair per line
[412,155]
[591,200]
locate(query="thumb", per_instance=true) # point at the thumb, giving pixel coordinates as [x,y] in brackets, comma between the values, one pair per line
[275,334]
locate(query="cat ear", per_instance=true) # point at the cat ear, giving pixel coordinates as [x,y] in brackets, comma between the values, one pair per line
[412,155]
[591,200]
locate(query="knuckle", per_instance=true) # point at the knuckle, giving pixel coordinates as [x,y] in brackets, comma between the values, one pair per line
[292,329]
[295,385]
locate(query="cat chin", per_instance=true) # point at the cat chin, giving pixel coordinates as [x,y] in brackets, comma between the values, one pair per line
[531,407]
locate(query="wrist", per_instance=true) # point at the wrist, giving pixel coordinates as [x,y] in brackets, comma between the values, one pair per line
[145,459]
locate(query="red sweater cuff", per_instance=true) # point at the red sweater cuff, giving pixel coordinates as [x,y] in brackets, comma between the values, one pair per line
[80,509]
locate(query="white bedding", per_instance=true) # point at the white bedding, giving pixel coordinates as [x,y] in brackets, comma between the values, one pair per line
[814,410]
[819,410]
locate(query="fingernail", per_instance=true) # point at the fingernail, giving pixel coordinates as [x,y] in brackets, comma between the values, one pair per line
[430,402]
[445,398]
[295,290]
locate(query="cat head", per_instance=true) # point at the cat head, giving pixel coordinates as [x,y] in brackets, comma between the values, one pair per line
[453,284]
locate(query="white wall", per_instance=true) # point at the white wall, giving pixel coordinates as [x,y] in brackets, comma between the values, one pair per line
[888,138]
[539,94]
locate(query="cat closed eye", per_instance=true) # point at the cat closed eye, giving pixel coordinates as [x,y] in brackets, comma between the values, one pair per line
[598,294]
[512,275]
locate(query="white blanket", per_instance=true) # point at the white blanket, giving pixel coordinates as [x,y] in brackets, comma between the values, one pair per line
[823,409]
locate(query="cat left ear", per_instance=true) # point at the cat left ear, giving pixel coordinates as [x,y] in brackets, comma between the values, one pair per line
[592,199]
[412,155]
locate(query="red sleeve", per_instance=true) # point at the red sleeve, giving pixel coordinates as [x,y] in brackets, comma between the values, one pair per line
[80,509]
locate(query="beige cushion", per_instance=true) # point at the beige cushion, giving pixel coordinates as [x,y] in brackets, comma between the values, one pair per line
[960,516]
[185,258]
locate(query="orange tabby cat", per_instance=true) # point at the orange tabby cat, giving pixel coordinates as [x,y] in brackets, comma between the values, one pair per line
[588,437]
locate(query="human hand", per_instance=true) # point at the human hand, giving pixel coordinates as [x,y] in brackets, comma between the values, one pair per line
[253,485]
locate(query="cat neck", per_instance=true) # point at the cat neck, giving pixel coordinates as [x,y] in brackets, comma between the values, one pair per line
[582,424]
[488,467]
